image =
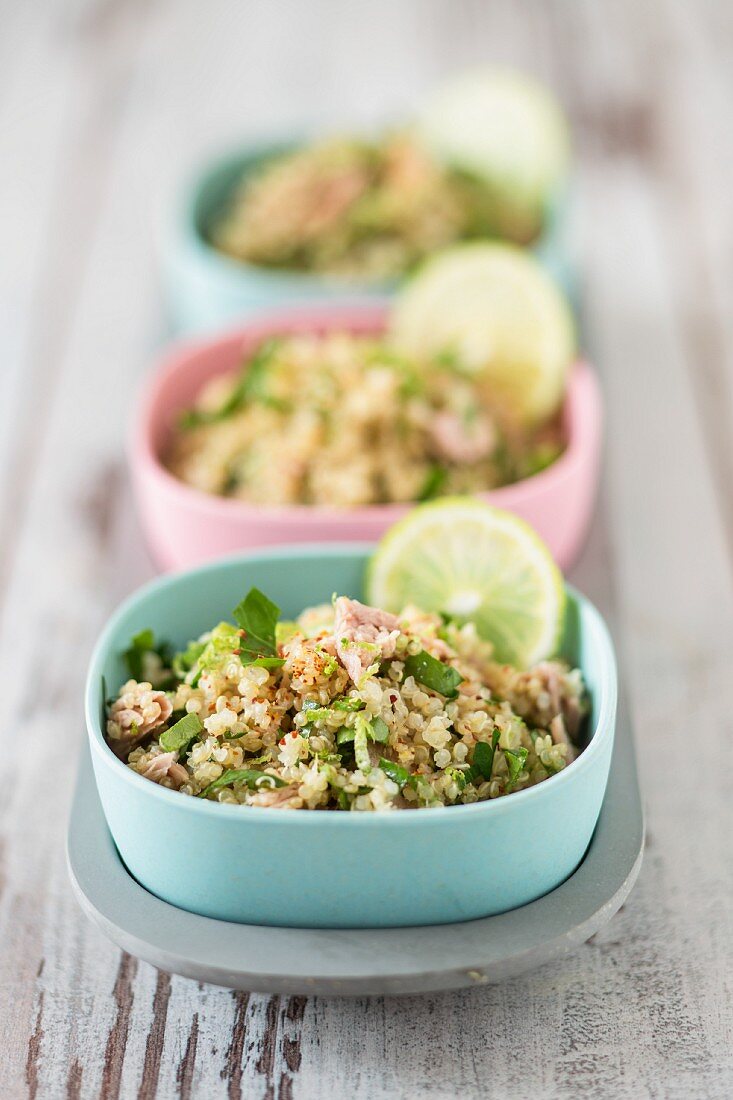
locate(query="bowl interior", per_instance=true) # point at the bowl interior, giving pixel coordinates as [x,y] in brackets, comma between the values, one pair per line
[217,186]
[181,606]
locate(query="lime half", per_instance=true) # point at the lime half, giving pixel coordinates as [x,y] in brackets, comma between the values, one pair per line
[476,564]
[501,126]
[493,308]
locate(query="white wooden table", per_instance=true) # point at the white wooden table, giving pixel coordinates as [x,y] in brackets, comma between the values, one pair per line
[103,105]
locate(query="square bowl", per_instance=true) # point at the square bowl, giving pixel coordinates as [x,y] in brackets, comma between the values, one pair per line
[329,869]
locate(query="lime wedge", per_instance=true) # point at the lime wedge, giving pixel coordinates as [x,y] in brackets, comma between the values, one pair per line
[476,564]
[502,127]
[494,309]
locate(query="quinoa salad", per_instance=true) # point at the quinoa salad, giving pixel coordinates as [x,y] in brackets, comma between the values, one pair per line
[359,209]
[346,708]
[343,420]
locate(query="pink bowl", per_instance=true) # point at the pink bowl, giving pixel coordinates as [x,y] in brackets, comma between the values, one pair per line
[185,527]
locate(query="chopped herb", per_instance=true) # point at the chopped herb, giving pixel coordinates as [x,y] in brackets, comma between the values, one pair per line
[250,386]
[515,761]
[184,661]
[257,617]
[254,779]
[433,674]
[458,777]
[140,645]
[376,730]
[434,482]
[348,703]
[396,772]
[343,799]
[182,735]
[379,729]
[361,749]
[483,759]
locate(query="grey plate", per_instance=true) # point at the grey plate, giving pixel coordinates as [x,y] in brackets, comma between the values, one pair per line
[349,962]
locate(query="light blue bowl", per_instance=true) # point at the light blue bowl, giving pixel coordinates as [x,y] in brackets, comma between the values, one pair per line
[207,290]
[325,869]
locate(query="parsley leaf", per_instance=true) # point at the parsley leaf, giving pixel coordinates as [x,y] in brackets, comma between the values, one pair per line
[257,617]
[182,735]
[434,482]
[254,779]
[515,761]
[483,759]
[396,772]
[433,674]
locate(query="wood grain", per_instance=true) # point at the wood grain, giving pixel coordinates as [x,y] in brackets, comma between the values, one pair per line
[104,105]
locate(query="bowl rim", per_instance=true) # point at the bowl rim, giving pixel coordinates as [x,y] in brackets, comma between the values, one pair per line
[602,732]
[580,430]
[246,155]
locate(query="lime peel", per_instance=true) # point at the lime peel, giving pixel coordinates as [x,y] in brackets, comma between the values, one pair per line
[479,564]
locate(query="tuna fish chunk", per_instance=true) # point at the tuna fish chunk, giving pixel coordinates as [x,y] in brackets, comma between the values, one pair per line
[137,712]
[363,635]
[165,764]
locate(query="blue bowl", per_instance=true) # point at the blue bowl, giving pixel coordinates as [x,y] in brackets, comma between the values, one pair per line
[324,869]
[207,290]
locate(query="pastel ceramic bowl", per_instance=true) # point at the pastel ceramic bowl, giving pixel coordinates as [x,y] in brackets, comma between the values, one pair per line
[207,290]
[185,527]
[328,869]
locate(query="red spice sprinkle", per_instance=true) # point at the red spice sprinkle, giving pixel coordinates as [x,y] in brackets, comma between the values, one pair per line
[393,698]
[294,733]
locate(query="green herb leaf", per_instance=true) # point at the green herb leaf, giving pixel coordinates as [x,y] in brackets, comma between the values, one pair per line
[379,730]
[396,772]
[483,759]
[515,761]
[459,778]
[343,799]
[362,730]
[182,735]
[250,386]
[257,617]
[266,662]
[433,674]
[434,482]
[140,644]
[348,703]
[255,780]
[345,735]
[184,661]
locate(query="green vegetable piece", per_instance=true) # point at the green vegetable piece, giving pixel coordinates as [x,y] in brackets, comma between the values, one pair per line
[379,730]
[345,735]
[483,759]
[396,772]
[361,749]
[140,644]
[433,674]
[434,482]
[515,761]
[348,703]
[255,780]
[343,799]
[250,386]
[184,661]
[257,617]
[182,735]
